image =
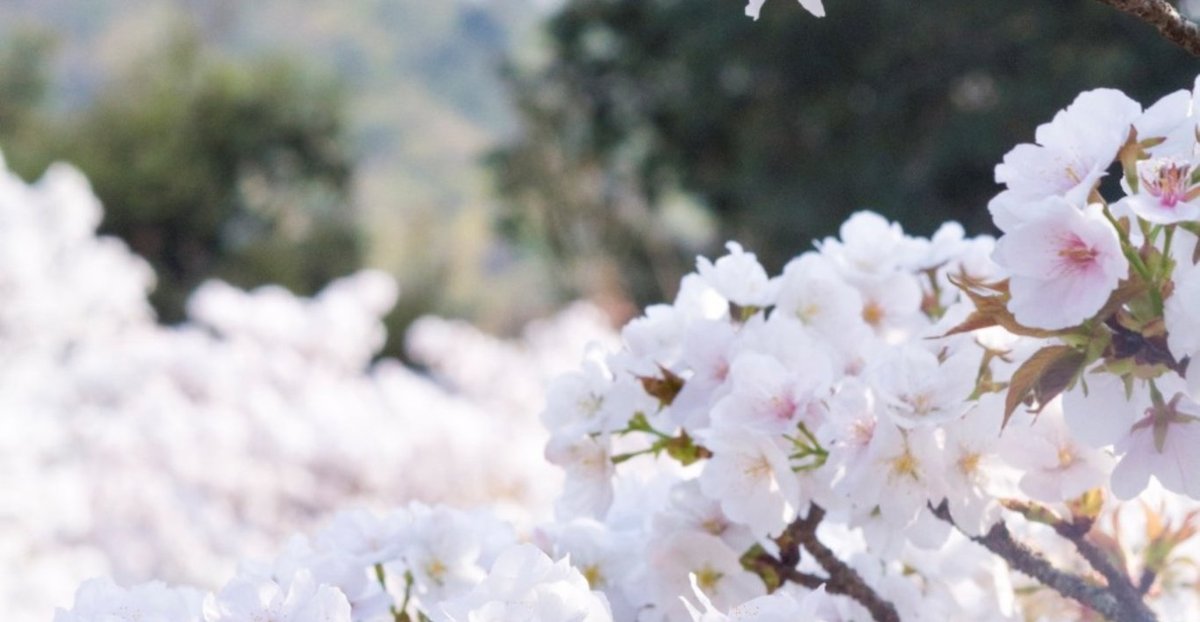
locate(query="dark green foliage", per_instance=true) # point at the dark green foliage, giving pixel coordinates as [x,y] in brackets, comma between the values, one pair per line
[784,126]
[24,81]
[214,168]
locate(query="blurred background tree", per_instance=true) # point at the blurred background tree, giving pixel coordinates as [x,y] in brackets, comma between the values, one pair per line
[206,167]
[284,141]
[25,78]
[777,130]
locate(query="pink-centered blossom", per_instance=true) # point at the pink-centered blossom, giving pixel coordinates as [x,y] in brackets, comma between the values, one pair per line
[1150,439]
[1166,193]
[1063,265]
[1162,444]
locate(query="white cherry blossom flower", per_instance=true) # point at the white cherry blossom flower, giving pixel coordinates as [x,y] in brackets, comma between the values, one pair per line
[1161,444]
[754,7]
[674,560]
[444,553]
[869,248]
[524,585]
[1055,465]
[768,397]
[1182,316]
[246,598]
[779,606]
[100,600]
[588,490]
[919,390]
[1165,193]
[974,466]
[1071,155]
[367,537]
[812,293]
[750,475]
[1064,265]
[901,475]
[738,277]
[689,509]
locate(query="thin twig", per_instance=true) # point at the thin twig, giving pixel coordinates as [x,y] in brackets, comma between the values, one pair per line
[1106,602]
[1165,18]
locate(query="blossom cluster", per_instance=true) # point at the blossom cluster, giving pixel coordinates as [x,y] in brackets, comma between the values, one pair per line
[1110,274]
[415,563]
[917,393]
[892,428]
[134,450]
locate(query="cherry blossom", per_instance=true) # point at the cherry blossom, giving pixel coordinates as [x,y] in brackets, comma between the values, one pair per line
[525,584]
[812,6]
[1064,265]
[1072,153]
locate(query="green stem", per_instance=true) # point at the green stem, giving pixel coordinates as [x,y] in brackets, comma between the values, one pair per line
[1156,396]
[1135,260]
[619,458]
[408,583]
[401,614]
[1165,263]
[639,423]
[1127,247]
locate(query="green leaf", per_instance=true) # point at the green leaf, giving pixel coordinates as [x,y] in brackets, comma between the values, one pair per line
[685,450]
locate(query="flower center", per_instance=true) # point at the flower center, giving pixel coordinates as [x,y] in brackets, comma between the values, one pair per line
[758,468]
[808,312]
[873,313]
[1077,253]
[721,372]
[594,577]
[863,431]
[1066,456]
[715,526]
[1167,180]
[906,465]
[436,571]
[921,404]
[969,463]
[708,578]
[783,407]
[591,404]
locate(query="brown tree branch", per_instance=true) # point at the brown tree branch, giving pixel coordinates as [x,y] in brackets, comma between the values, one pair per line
[766,566]
[1118,581]
[1165,18]
[1114,603]
[842,578]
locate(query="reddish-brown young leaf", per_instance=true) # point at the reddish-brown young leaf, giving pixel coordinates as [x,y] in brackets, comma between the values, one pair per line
[994,308]
[975,321]
[1040,379]
[664,388]
[1126,290]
